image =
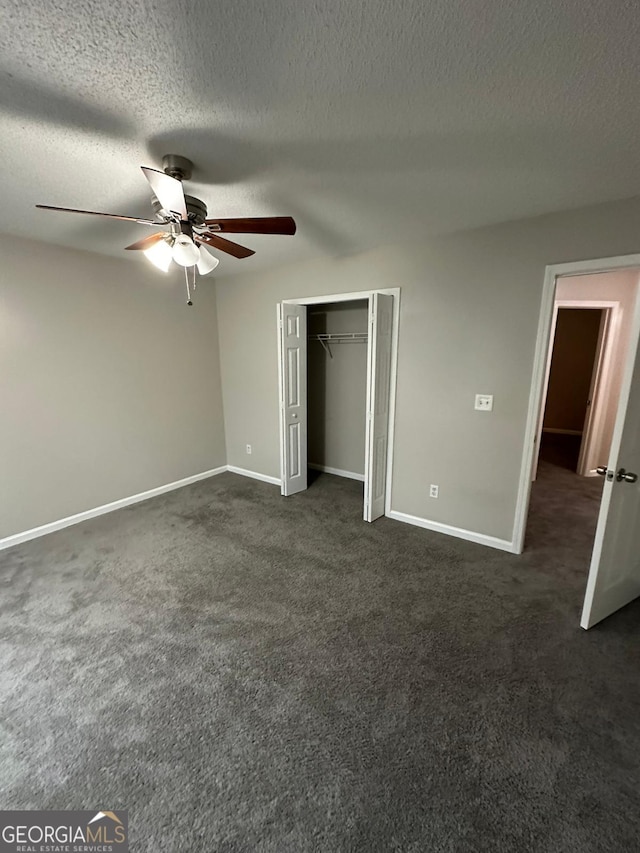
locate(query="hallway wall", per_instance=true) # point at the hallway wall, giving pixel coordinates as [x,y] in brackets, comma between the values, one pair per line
[575,347]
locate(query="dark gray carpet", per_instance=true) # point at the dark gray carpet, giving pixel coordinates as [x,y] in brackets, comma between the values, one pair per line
[245,672]
[561,450]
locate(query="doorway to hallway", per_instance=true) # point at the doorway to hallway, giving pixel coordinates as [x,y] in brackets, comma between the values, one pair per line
[592,502]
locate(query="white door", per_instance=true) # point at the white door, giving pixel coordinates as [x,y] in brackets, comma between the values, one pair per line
[378,398]
[614,575]
[293,397]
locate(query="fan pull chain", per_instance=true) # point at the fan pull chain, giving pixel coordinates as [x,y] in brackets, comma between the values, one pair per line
[186,278]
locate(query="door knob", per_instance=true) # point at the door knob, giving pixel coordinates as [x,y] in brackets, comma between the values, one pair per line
[294,415]
[626,476]
[602,470]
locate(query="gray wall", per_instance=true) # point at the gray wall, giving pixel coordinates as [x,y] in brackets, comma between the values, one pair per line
[469,317]
[337,388]
[109,383]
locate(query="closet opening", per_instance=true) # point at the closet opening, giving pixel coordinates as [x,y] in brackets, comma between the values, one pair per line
[337,371]
[337,388]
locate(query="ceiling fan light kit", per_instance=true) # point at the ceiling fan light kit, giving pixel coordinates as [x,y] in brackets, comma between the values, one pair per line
[160,254]
[189,230]
[185,252]
[207,262]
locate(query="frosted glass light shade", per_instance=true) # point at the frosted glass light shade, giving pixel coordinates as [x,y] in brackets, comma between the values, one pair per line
[185,251]
[160,255]
[207,262]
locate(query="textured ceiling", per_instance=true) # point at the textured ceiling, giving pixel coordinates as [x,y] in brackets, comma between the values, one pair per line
[369,122]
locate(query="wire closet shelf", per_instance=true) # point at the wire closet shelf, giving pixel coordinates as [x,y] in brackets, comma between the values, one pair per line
[326,339]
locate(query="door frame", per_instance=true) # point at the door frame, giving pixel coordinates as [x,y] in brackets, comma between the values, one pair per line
[599,385]
[393,380]
[543,342]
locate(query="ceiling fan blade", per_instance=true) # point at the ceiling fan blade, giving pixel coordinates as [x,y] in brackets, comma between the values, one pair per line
[168,191]
[223,245]
[254,225]
[96,213]
[147,242]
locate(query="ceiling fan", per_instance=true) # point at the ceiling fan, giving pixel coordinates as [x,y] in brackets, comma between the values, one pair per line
[186,228]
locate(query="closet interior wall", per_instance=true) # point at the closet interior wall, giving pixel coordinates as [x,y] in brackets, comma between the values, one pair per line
[337,387]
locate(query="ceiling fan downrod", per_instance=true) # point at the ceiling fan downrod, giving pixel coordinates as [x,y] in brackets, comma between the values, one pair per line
[180,168]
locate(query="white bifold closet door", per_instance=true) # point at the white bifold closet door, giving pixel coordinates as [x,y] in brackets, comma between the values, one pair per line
[378,400]
[293,376]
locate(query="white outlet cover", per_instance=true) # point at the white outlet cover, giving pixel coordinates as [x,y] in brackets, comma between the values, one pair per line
[484,402]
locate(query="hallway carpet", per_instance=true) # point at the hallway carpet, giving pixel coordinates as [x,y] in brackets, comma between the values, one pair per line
[245,672]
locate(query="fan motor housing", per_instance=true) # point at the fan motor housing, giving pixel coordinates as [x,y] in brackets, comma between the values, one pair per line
[196,209]
[177,166]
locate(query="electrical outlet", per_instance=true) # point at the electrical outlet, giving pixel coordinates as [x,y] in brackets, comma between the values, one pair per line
[484,402]
[433,491]
[249,449]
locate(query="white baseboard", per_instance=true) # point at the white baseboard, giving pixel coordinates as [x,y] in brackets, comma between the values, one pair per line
[254,475]
[51,527]
[337,471]
[458,532]
[555,431]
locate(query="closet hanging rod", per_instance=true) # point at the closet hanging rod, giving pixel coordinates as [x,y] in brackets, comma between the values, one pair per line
[339,336]
[327,338]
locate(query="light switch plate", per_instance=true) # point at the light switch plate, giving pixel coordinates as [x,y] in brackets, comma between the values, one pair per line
[484,402]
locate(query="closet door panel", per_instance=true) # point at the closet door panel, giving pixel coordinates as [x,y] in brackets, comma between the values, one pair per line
[293,397]
[378,398]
